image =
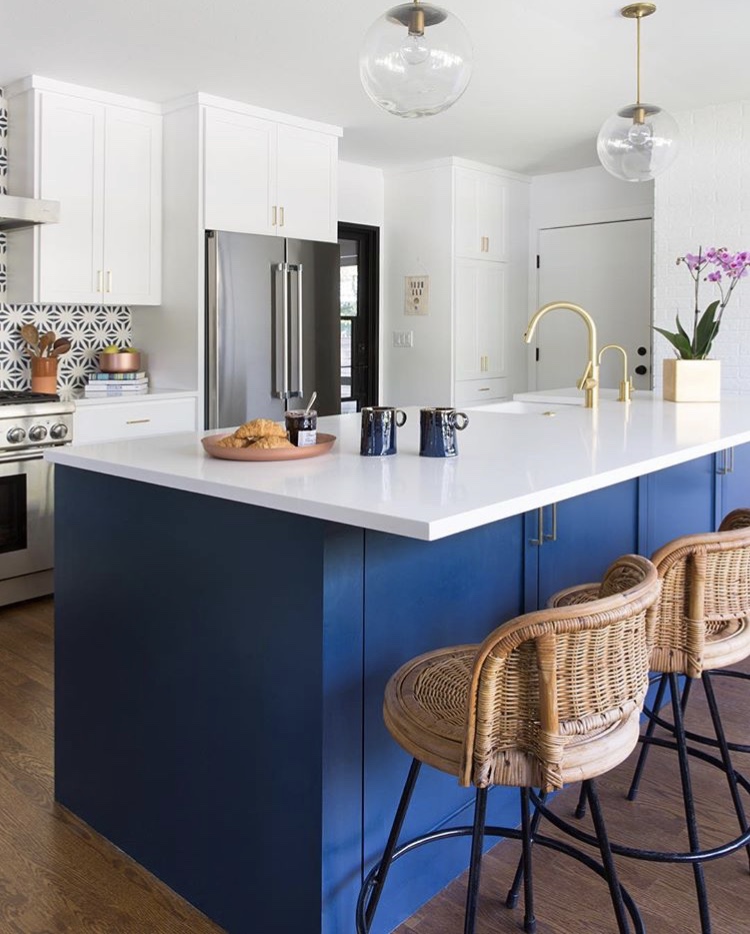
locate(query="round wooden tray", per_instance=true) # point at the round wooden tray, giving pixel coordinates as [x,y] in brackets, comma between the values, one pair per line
[323,446]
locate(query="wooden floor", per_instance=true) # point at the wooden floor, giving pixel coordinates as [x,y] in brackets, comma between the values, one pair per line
[572,900]
[58,877]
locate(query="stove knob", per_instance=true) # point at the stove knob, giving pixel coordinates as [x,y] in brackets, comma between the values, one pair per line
[37,433]
[58,432]
[16,435]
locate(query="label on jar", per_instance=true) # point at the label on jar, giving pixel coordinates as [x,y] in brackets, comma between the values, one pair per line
[306,438]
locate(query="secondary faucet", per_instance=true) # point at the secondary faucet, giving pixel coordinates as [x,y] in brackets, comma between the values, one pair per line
[590,379]
[626,383]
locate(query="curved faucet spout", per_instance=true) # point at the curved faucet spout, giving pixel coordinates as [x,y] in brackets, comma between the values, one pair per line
[590,379]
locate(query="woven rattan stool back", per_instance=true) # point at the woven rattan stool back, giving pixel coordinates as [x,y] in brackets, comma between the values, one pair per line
[559,675]
[705,595]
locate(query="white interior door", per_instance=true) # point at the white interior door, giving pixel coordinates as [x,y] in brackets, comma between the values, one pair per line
[606,269]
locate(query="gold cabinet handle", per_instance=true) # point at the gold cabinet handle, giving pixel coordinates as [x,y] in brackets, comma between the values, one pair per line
[281,217]
[137,421]
[99,281]
[109,280]
[488,244]
[273,216]
[484,389]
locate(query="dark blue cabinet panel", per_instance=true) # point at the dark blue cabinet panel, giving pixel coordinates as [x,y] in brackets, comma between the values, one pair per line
[678,501]
[733,471]
[582,536]
[421,596]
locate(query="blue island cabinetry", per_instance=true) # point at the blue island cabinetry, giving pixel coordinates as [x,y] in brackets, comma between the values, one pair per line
[221,667]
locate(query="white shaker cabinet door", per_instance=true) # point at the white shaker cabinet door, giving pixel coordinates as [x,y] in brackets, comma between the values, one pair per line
[132,208]
[71,171]
[491,318]
[307,184]
[469,240]
[479,319]
[466,307]
[480,215]
[493,217]
[239,173]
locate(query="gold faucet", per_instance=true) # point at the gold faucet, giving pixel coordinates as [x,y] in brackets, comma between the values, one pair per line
[626,383]
[590,379]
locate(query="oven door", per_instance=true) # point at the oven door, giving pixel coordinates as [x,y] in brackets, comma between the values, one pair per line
[26,516]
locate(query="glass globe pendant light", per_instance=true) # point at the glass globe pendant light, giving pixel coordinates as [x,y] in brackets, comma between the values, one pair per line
[640,141]
[416,60]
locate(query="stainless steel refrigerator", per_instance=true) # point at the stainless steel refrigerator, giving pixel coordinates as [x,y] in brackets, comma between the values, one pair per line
[272,327]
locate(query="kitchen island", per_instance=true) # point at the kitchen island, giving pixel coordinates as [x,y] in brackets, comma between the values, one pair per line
[224,630]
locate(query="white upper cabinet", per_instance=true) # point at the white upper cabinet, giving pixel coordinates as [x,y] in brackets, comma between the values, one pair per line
[268,177]
[480,215]
[102,162]
[239,172]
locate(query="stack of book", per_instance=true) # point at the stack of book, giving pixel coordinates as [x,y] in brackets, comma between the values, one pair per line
[102,385]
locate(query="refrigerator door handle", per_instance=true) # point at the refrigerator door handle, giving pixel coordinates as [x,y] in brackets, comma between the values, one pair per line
[300,345]
[280,331]
[211,416]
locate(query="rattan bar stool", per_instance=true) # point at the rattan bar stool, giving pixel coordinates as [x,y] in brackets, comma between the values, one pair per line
[703,627]
[549,698]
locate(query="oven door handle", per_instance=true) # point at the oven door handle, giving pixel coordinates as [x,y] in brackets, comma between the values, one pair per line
[13,458]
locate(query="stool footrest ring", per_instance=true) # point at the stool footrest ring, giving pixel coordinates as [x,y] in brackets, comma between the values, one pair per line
[511,833]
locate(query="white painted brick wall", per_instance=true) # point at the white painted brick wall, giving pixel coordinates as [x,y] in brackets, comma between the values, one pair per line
[704,200]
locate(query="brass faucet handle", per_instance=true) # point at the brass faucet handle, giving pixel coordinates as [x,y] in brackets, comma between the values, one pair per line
[584,381]
[589,383]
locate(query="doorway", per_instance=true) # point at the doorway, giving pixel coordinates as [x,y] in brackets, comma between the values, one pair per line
[358,300]
[607,269]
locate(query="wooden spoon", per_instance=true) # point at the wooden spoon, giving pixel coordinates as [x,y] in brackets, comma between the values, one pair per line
[61,346]
[30,334]
[46,341]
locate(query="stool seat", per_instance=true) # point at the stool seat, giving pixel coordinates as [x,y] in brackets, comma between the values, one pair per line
[425,708]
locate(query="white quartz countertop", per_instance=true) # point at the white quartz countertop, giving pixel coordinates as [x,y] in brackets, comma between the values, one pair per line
[509,462]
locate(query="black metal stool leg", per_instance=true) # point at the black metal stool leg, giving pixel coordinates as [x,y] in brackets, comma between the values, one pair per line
[725,755]
[615,890]
[529,921]
[398,822]
[475,866]
[511,899]
[580,811]
[643,754]
[687,795]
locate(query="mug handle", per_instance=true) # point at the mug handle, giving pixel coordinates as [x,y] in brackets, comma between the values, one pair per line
[464,423]
[400,424]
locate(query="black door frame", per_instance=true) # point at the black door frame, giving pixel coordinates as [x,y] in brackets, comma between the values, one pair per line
[368,296]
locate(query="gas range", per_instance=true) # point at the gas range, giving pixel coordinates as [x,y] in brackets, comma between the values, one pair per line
[33,421]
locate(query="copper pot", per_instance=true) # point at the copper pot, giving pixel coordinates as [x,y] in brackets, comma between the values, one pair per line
[119,362]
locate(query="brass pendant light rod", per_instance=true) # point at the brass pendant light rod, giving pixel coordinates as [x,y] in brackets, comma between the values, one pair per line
[637,11]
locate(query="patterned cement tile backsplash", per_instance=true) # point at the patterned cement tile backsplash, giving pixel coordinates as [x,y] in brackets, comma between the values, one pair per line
[89,328]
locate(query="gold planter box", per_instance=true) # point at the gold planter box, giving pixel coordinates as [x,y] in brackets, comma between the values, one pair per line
[692,380]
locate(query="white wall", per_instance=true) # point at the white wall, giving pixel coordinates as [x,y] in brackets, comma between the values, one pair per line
[362,201]
[703,200]
[361,194]
[586,196]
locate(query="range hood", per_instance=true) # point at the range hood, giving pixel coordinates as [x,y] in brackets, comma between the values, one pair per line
[16,212]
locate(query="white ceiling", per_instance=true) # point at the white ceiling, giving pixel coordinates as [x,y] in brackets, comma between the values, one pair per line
[547,73]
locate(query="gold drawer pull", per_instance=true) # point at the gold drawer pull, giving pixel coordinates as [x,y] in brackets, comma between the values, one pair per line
[484,389]
[137,421]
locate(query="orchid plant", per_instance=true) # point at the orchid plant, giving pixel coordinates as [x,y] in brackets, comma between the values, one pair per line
[725,270]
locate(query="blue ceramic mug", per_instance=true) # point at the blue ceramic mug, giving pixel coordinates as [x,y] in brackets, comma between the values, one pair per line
[437,431]
[379,424]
